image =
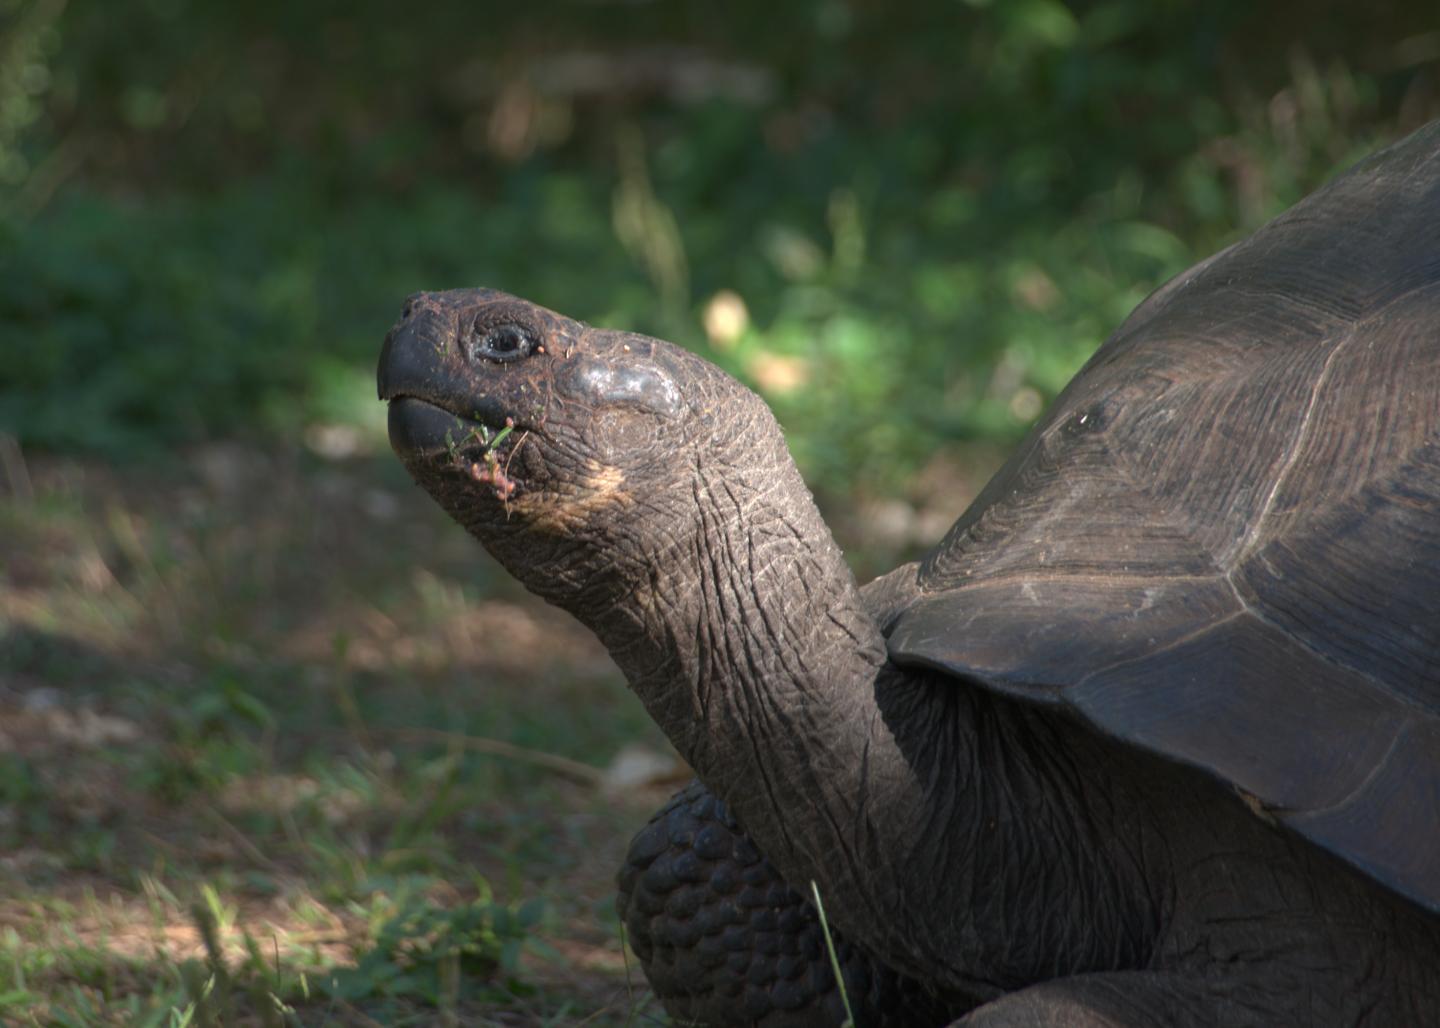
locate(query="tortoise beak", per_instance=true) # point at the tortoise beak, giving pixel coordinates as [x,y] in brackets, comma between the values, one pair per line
[404,369]
[418,378]
[420,429]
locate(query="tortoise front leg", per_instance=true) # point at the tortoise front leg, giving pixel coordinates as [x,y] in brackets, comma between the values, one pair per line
[725,941]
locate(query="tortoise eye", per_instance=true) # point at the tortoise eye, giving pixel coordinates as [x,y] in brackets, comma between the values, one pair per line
[508,342]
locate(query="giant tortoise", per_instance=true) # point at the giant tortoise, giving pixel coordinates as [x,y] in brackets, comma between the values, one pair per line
[1151,737]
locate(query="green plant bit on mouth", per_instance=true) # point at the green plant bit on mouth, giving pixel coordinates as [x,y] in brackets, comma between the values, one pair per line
[487,469]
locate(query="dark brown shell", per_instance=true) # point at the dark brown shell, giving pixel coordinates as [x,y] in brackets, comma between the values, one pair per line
[1223,541]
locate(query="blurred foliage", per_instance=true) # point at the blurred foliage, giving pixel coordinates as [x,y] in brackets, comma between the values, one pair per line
[902,223]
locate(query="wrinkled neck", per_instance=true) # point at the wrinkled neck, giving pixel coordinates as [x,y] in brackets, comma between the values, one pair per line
[751,647]
[746,630]
[781,635]
[929,813]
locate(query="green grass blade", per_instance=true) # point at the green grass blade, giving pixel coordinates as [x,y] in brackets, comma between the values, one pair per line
[834,960]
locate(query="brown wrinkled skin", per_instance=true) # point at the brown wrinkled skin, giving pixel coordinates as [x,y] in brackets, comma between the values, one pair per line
[1020,865]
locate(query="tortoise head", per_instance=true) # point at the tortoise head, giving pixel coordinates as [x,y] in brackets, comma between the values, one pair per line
[570,452]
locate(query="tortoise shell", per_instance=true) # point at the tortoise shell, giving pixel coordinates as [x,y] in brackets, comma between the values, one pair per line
[1222,543]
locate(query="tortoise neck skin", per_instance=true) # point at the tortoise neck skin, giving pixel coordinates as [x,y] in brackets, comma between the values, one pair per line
[654,498]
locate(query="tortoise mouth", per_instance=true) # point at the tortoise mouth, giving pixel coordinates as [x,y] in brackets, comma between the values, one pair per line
[419,428]
[427,435]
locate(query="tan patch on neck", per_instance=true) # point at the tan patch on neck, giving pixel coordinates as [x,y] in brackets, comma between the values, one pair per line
[599,488]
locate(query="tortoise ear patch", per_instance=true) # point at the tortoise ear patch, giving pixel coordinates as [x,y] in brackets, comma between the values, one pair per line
[642,384]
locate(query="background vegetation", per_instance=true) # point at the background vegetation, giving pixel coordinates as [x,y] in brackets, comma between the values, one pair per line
[255,695]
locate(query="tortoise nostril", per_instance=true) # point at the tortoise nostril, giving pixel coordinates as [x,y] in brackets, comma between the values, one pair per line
[410,302]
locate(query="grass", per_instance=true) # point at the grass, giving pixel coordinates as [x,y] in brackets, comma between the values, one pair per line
[834,960]
[279,745]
